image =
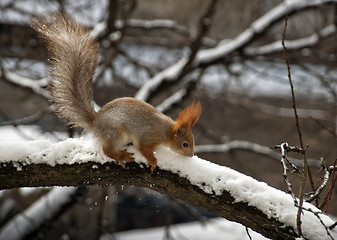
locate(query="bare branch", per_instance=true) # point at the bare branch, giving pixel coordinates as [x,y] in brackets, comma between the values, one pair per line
[324,127]
[305,164]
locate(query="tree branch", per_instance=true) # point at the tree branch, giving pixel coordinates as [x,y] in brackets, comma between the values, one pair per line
[211,187]
[226,47]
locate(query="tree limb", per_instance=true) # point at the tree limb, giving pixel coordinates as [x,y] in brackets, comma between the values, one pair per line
[211,187]
[162,181]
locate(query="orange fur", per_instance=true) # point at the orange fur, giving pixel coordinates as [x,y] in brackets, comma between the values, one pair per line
[188,117]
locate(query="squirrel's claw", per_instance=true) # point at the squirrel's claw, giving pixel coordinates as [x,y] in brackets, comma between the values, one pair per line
[153,165]
[127,156]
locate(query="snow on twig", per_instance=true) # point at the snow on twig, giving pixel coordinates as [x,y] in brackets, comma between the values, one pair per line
[326,178]
[327,199]
[299,202]
[284,161]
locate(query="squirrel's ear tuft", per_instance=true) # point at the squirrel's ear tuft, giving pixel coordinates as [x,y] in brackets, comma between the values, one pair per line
[189,116]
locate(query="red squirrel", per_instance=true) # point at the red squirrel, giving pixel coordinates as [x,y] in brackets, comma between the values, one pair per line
[73,59]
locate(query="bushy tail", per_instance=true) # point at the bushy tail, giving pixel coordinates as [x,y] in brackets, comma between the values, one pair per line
[73,58]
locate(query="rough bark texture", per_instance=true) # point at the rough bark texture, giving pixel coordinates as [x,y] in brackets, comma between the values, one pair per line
[165,182]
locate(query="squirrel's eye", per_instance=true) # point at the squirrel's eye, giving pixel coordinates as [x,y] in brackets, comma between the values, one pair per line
[185,145]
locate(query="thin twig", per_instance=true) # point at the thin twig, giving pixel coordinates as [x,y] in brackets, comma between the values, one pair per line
[324,127]
[327,228]
[291,85]
[333,226]
[248,234]
[305,164]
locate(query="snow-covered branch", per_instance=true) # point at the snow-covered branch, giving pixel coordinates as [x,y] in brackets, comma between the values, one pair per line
[181,93]
[225,47]
[252,147]
[155,24]
[34,216]
[276,46]
[37,86]
[214,188]
[31,118]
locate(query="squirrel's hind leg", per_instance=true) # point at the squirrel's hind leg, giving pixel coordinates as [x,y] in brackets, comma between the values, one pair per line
[118,155]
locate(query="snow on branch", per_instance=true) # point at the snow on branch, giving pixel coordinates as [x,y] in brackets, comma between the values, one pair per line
[225,47]
[214,188]
[37,86]
[167,24]
[168,74]
[285,8]
[34,216]
[181,93]
[276,46]
[253,147]
[158,24]
[31,118]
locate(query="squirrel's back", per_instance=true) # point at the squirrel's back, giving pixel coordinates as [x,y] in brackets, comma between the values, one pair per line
[73,58]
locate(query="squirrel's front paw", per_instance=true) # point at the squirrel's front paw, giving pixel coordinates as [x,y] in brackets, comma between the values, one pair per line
[127,156]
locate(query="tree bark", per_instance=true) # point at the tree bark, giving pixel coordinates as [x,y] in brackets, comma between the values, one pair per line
[165,182]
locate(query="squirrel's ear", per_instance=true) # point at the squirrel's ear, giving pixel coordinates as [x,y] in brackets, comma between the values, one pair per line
[181,130]
[189,116]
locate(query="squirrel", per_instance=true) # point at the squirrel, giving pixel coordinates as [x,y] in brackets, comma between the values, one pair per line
[73,60]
